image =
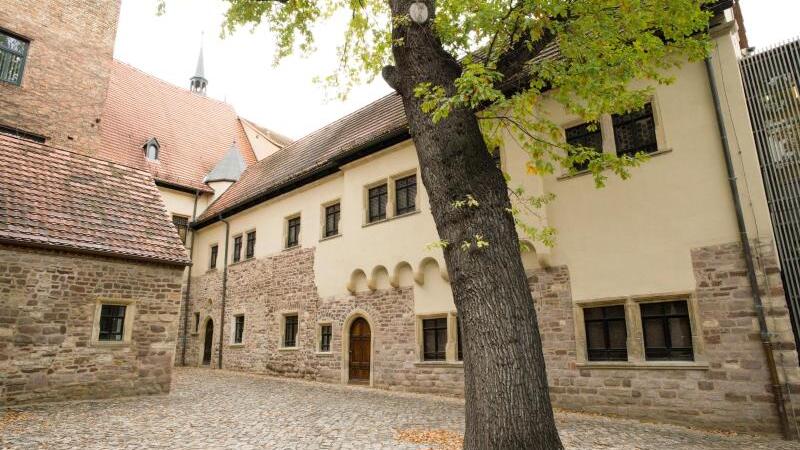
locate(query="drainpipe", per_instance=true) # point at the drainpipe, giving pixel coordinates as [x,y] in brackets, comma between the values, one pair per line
[224,290]
[188,286]
[777,388]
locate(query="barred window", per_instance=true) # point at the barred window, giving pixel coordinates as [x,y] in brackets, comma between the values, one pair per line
[212,263]
[606,333]
[238,330]
[182,225]
[13,53]
[250,250]
[377,203]
[434,339]
[583,136]
[405,194]
[325,334]
[332,214]
[237,249]
[292,232]
[290,331]
[112,322]
[635,132]
[667,331]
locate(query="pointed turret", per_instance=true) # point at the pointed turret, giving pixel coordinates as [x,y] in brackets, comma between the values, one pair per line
[198,82]
[226,172]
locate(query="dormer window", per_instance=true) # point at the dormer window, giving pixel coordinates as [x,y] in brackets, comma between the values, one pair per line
[151,149]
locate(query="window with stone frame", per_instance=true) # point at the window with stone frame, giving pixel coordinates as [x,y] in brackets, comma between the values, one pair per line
[182,225]
[13,55]
[434,339]
[332,215]
[250,249]
[238,329]
[112,323]
[635,132]
[293,232]
[405,194]
[377,198]
[606,333]
[237,249]
[667,331]
[290,330]
[584,136]
[212,263]
[325,334]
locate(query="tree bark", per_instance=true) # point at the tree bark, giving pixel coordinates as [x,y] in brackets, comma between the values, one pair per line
[507,400]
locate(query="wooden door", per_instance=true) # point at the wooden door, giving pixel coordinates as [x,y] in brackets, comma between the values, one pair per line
[360,351]
[207,344]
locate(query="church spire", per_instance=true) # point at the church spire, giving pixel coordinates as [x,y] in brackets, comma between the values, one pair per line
[199,82]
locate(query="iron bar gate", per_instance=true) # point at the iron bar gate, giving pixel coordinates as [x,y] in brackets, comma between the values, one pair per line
[772,86]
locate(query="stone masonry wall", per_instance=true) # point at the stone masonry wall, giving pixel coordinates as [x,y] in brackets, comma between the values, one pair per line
[47,308]
[726,387]
[264,289]
[67,70]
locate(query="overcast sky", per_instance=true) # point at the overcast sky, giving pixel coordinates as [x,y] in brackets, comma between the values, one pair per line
[284,98]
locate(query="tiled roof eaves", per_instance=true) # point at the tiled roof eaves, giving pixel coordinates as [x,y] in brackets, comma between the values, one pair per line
[321,170]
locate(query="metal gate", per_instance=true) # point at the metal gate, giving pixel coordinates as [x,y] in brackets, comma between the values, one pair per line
[772,86]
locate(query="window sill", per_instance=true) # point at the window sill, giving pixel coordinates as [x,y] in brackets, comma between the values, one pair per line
[111,344]
[645,365]
[569,176]
[288,349]
[239,345]
[444,364]
[331,237]
[324,353]
[288,249]
[388,219]
[246,260]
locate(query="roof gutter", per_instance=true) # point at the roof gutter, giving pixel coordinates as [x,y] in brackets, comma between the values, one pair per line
[766,342]
[385,141]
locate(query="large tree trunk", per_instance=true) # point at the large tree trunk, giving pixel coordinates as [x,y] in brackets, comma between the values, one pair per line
[507,400]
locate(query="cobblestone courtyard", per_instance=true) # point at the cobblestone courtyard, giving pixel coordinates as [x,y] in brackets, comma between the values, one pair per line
[220,410]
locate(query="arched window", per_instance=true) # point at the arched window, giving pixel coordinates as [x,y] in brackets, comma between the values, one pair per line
[151,149]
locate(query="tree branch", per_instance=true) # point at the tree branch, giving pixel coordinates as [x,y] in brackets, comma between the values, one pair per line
[392,78]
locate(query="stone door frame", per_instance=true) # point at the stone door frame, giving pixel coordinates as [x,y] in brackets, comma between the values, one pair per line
[202,342]
[346,345]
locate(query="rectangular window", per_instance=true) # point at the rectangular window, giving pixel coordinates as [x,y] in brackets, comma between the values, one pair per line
[405,194]
[13,53]
[434,339]
[292,232]
[290,331]
[112,321]
[635,132]
[332,214]
[325,334]
[582,136]
[196,322]
[212,263]
[182,225]
[606,333]
[237,249]
[238,329]
[377,203]
[250,250]
[667,331]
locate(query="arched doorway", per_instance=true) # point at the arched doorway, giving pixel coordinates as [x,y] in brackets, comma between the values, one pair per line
[207,342]
[360,351]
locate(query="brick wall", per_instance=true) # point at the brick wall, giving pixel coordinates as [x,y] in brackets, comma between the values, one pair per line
[47,308]
[67,70]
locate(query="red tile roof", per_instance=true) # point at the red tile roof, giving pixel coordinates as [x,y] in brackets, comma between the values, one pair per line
[194,131]
[369,125]
[55,198]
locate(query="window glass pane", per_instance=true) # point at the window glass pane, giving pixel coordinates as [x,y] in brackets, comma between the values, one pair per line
[13,52]
[654,333]
[582,136]
[112,320]
[652,309]
[595,335]
[614,312]
[593,313]
[635,132]
[680,332]
[377,203]
[617,334]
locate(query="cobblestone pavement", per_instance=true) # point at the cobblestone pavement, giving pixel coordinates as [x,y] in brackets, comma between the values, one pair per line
[221,410]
